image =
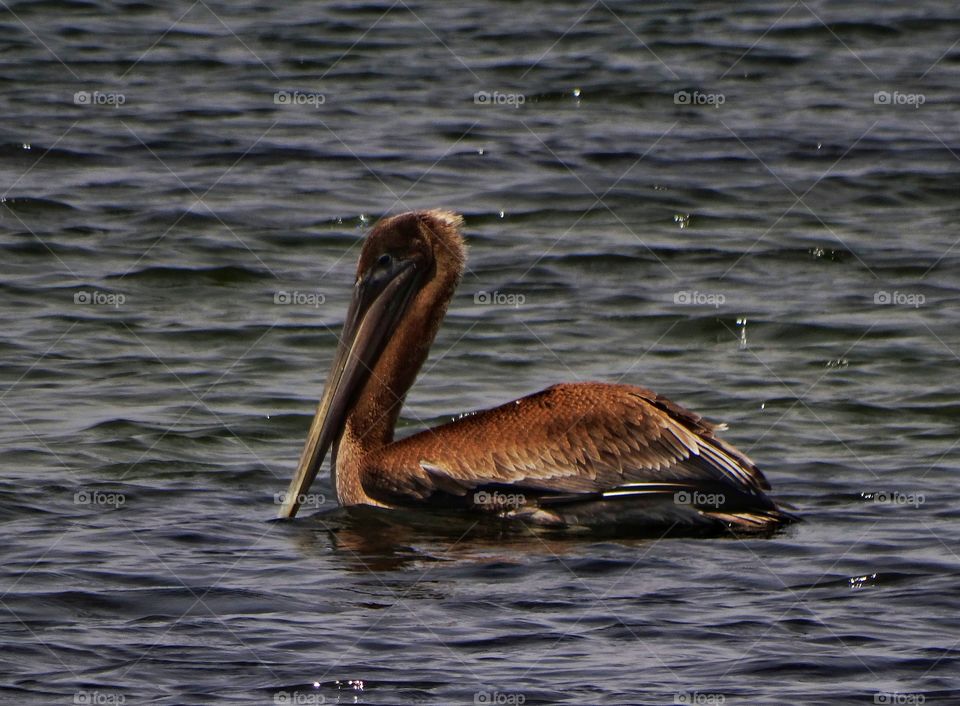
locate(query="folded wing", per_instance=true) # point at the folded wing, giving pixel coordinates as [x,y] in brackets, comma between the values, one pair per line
[581,438]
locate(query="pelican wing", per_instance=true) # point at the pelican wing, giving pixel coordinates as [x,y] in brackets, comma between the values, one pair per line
[572,438]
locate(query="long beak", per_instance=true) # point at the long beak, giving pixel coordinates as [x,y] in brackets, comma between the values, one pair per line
[379,299]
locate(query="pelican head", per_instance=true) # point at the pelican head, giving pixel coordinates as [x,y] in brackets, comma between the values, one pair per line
[409,267]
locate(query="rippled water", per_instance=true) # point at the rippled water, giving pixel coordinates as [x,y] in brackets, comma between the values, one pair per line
[750,208]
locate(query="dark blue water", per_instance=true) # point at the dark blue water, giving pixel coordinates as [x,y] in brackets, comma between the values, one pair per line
[751,208]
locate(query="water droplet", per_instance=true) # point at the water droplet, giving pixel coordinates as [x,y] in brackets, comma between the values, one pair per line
[480,151]
[502,214]
[742,323]
[26,145]
[864,581]
[819,145]
[576,92]
[682,219]
[355,684]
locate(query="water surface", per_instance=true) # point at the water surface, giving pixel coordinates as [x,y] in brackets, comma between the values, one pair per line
[750,208]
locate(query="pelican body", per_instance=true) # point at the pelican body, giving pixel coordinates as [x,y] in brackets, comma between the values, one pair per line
[573,454]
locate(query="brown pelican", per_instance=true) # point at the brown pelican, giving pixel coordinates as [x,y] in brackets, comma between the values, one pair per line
[572,454]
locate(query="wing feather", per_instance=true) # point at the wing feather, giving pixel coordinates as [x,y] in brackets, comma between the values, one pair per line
[576,438]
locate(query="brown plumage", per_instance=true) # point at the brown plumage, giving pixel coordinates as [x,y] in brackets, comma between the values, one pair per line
[583,453]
